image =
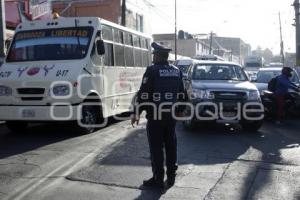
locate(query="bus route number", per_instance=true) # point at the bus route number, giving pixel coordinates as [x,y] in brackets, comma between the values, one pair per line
[62,73]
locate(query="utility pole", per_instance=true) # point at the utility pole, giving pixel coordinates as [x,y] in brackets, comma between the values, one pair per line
[175,35]
[210,44]
[297,24]
[123,14]
[281,42]
[2,30]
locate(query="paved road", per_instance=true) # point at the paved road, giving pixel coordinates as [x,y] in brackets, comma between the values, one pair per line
[215,162]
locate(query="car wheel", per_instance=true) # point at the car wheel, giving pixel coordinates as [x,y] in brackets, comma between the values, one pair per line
[252,126]
[16,126]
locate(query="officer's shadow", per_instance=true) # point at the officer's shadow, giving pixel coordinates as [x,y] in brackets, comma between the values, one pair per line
[153,194]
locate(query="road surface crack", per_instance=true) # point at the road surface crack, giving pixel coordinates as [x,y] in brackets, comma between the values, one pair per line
[44,177]
[106,184]
[218,181]
[255,161]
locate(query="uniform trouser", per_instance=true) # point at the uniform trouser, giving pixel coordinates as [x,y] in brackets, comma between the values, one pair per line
[280,103]
[161,133]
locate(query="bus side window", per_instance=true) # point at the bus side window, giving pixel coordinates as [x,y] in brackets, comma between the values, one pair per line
[129,59]
[121,37]
[145,57]
[109,54]
[137,52]
[116,35]
[119,55]
[107,33]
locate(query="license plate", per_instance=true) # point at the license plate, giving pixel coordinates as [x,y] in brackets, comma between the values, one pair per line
[229,114]
[229,106]
[28,113]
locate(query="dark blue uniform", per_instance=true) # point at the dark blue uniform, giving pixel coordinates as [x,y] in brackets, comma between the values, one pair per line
[162,84]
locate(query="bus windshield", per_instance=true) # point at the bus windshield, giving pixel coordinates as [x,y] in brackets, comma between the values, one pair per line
[50,44]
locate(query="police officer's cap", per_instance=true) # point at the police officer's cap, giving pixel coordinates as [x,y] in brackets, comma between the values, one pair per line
[287,69]
[157,48]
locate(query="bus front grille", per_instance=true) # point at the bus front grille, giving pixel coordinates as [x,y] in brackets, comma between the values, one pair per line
[32,98]
[29,91]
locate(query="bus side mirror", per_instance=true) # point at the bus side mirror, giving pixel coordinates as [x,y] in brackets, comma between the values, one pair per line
[100,47]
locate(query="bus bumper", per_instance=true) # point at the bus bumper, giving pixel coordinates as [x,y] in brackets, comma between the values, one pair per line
[39,113]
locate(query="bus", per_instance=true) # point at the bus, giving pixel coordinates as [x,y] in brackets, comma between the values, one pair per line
[252,64]
[81,69]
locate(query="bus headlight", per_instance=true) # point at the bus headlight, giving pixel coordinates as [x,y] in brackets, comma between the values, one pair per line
[61,90]
[5,91]
[254,96]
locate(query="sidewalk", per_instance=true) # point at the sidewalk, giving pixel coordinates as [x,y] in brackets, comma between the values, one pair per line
[204,174]
[232,181]
[239,180]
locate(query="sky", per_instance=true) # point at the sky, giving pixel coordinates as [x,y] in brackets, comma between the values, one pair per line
[254,21]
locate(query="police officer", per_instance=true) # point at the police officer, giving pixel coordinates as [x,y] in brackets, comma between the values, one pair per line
[283,84]
[161,87]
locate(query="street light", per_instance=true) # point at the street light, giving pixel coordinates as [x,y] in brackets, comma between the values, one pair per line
[175,35]
[2,30]
[296,5]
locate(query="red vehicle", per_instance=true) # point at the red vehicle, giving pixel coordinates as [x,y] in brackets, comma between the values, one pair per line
[19,10]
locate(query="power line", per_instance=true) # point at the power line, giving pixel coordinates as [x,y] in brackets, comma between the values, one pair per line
[159,12]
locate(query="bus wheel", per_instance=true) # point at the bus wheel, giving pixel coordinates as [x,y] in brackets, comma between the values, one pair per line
[16,126]
[90,118]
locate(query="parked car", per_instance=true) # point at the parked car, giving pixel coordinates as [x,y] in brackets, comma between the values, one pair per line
[221,92]
[264,75]
[184,64]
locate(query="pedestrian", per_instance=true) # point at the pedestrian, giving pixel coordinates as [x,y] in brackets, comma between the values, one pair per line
[161,85]
[55,15]
[282,85]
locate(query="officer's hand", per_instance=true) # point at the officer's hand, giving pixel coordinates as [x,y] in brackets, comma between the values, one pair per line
[135,119]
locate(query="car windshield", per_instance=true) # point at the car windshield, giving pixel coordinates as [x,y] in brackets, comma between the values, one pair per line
[50,44]
[183,68]
[266,76]
[218,72]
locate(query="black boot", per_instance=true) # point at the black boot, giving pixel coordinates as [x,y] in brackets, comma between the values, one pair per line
[154,183]
[171,174]
[171,179]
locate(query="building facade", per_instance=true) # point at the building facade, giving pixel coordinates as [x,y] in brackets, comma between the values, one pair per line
[237,46]
[238,49]
[137,12]
[17,11]
[189,47]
